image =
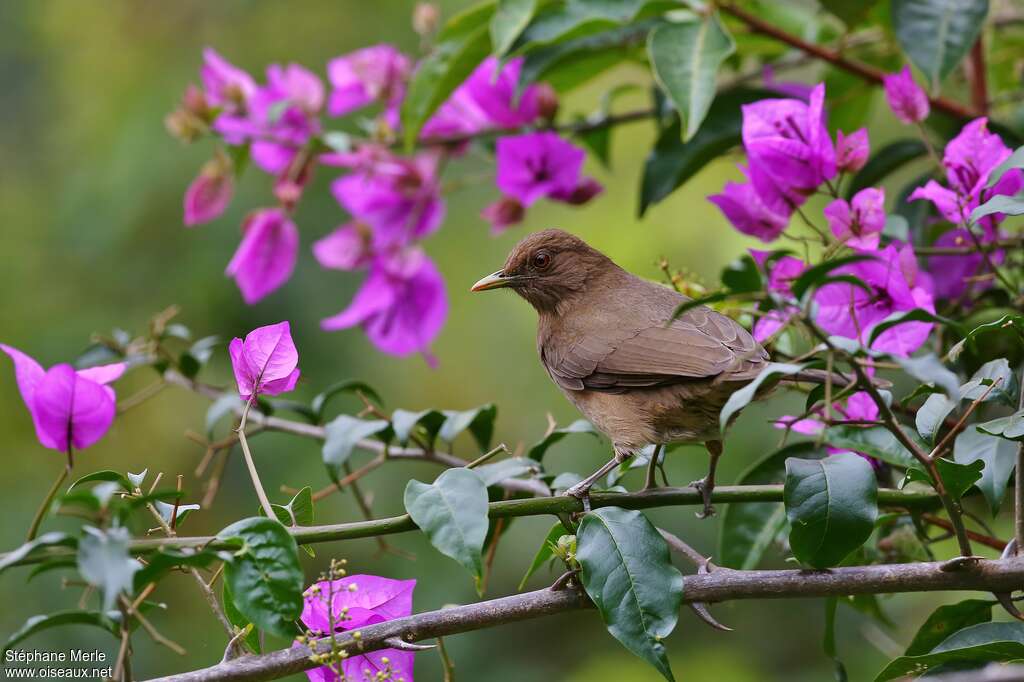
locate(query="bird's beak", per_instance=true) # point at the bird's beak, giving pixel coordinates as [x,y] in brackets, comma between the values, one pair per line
[496,280]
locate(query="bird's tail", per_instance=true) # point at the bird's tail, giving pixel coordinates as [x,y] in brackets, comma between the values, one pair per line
[839,380]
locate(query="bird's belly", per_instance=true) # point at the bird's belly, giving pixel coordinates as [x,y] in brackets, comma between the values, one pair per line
[670,414]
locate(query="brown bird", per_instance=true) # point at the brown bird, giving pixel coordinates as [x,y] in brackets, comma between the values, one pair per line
[606,340]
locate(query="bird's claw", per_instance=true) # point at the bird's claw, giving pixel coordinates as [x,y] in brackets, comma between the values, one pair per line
[581,493]
[705,492]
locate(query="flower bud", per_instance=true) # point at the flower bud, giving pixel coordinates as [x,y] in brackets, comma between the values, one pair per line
[547,102]
[425,18]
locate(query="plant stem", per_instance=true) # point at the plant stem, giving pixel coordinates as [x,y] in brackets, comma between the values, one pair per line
[260,493]
[1018,493]
[37,520]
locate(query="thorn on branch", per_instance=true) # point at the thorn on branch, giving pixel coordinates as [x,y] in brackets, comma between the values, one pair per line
[399,643]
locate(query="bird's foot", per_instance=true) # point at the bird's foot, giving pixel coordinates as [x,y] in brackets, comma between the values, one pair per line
[706,487]
[582,493]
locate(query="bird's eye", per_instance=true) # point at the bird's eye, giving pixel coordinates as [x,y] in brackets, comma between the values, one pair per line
[541,260]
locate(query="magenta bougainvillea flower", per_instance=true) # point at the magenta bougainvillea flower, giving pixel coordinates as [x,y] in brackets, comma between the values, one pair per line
[485,101]
[266,362]
[401,305]
[372,74]
[536,165]
[210,193]
[349,247]
[398,197]
[969,159]
[906,98]
[743,206]
[69,408]
[852,150]
[229,88]
[503,214]
[859,222]
[787,140]
[354,602]
[848,310]
[859,407]
[952,274]
[782,272]
[266,255]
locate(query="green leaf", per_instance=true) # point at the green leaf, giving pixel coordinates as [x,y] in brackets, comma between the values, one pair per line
[342,434]
[672,162]
[1014,321]
[264,575]
[479,421]
[461,46]
[52,539]
[998,455]
[749,528]
[979,643]
[930,370]
[815,276]
[509,20]
[993,371]
[452,511]
[831,506]
[959,477]
[876,441]
[163,560]
[1010,428]
[915,315]
[936,34]
[298,512]
[850,13]
[932,415]
[946,620]
[403,422]
[496,472]
[104,475]
[320,400]
[235,617]
[742,275]
[1015,160]
[182,513]
[51,620]
[628,575]
[537,452]
[685,59]
[738,400]
[545,553]
[104,561]
[1001,203]
[885,161]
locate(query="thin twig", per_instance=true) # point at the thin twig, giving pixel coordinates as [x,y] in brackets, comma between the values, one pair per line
[952,433]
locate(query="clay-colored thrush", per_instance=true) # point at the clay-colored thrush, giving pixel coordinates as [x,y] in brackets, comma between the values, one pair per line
[606,340]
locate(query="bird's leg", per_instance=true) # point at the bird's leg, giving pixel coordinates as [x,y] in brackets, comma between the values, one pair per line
[707,484]
[652,468]
[581,491]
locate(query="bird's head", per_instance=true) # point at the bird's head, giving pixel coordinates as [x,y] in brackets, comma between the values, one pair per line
[548,269]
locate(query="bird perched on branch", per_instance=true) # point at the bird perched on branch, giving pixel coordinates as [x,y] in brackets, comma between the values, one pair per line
[609,341]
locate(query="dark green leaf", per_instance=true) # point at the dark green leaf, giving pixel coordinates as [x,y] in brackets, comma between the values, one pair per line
[932,415]
[885,161]
[813,276]
[958,477]
[52,539]
[850,13]
[685,58]
[915,315]
[829,641]
[936,34]
[479,421]
[1015,160]
[452,511]
[45,622]
[163,560]
[537,452]
[1014,321]
[342,434]
[492,474]
[52,565]
[875,441]
[738,400]
[403,422]
[979,643]
[628,575]
[461,46]
[1011,427]
[298,512]
[946,620]
[320,400]
[749,528]
[992,372]
[831,506]
[545,553]
[104,475]
[264,575]
[742,276]
[509,20]
[104,561]
[930,370]
[672,162]
[998,455]
[1001,203]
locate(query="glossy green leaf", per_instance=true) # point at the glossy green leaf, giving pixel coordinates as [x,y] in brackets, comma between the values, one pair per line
[461,46]
[321,399]
[1010,427]
[1001,203]
[264,574]
[742,275]
[40,623]
[749,528]
[978,644]
[831,506]
[537,452]
[342,434]
[937,34]
[996,372]
[672,162]
[958,477]
[741,398]
[685,59]
[35,547]
[509,20]
[479,421]
[932,415]
[999,456]
[946,620]
[915,315]
[452,511]
[876,441]
[544,553]
[299,511]
[105,562]
[106,476]
[850,13]
[816,275]
[1013,321]
[628,575]
[885,161]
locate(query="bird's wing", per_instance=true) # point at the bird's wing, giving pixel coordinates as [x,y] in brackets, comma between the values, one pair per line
[700,344]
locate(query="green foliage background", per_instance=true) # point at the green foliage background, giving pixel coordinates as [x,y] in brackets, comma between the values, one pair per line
[90,203]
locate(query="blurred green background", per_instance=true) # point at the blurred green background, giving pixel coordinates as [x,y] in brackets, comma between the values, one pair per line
[90,199]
